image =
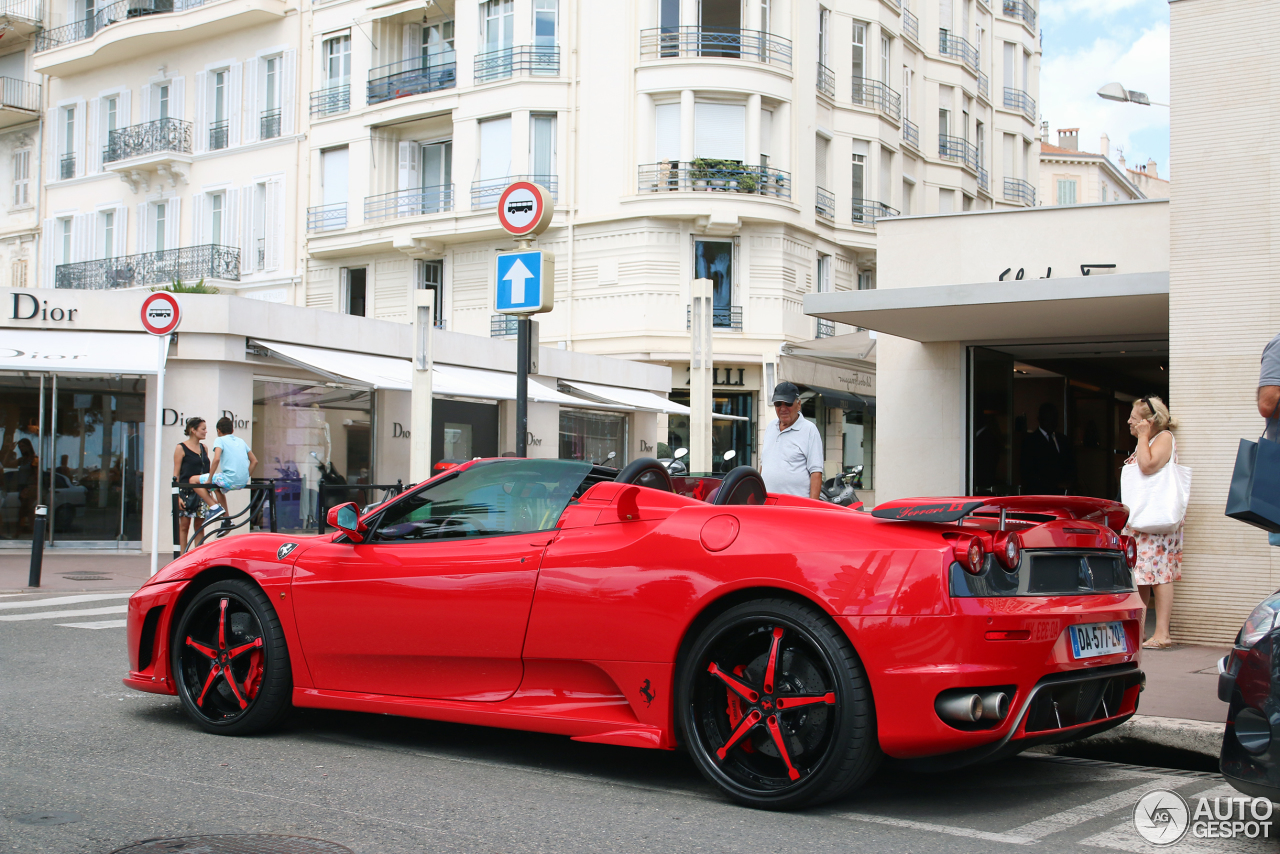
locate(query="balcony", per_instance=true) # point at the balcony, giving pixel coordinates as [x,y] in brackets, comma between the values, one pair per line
[410,77]
[873,93]
[484,194]
[826,81]
[331,101]
[958,150]
[722,317]
[19,102]
[984,87]
[1016,99]
[866,212]
[1018,190]
[716,42]
[23,17]
[826,329]
[718,176]
[189,264]
[534,60]
[269,124]
[503,326]
[162,147]
[327,217]
[825,204]
[955,47]
[1023,10]
[122,31]
[219,135]
[418,201]
[911,26]
[910,134]
[984,181]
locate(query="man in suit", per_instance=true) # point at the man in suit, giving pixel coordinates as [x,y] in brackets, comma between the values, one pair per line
[1048,465]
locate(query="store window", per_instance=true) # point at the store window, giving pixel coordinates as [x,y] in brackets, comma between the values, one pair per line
[726,434]
[859,438]
[591,435]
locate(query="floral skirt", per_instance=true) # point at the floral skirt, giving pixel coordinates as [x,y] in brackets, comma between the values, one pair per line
[1159,557]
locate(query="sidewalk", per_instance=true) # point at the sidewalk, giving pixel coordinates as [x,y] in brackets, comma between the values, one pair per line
[67,570]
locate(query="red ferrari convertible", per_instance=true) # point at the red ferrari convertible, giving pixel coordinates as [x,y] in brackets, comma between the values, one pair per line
[787,644]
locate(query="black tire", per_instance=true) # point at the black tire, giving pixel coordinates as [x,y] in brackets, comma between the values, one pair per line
[231,623]
[830,739]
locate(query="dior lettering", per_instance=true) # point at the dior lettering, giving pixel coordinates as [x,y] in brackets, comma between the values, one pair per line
[27,307]
[398,431]
[240,423]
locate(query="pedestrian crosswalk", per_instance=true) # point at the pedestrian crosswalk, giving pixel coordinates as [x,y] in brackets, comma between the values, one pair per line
[23,609]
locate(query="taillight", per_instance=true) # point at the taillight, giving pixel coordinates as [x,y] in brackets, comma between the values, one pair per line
[972,556]
[1009,551]
[1130,546]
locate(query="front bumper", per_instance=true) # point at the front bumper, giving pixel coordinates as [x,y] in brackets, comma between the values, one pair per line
[147,635]
[1247,680]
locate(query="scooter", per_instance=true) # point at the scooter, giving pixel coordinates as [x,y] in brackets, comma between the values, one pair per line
[840,489]
[676,465]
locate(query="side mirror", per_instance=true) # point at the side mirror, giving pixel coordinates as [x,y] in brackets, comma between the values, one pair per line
[346,518]
[612,454]
[730,454]
[681,452]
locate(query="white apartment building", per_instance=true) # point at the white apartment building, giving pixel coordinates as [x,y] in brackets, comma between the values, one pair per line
[1069,176]
[20,109]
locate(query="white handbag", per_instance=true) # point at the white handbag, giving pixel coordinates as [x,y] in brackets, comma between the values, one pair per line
[1157,502]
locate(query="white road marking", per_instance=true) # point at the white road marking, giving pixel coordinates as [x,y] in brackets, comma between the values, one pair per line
[1081,813]
[53,615]
[1124,837]
[937,828]
[101,624]
[65,600]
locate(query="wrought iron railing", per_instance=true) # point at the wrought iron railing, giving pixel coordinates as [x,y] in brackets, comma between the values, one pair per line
[911,25]
[722,317]
[411,77]
[1016,99]
[188,264]
[720,42]
[262,253]
[413,202]
[1018,190]
[269,124]
[19,94]
[503,325]
[219,135]
[148,138]
[984,181]
[67,166]
[535,60]
[331,101]
[867,212]
[984,86]
[105,16]
[28,10]
[824,204]
[873,93]
[956,47]
[725,176]
[826,81]
[1020,9]
[327,217]
[826,329]
[958,150]
[911,134]
[484,194]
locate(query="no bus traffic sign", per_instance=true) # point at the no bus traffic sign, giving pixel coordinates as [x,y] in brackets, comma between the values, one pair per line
[525,209]
[161,313]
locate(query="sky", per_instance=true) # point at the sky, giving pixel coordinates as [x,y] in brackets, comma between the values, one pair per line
[1089,43]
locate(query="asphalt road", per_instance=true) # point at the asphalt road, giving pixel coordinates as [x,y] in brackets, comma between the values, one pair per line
[87,765]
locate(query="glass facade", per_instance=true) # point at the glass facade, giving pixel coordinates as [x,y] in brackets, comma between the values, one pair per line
[738,436]
[591,435]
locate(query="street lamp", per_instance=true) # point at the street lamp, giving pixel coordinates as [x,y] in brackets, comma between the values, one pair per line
[1117,92]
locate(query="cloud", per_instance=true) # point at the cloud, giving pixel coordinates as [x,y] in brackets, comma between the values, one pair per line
[1063,10]
[1069,82]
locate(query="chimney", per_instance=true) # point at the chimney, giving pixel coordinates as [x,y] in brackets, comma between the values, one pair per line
[1044,131]
[1151,168]
[1120,155]
[1069,138]
[1106,146]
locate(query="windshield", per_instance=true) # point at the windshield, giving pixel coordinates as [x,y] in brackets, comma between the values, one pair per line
[485,499]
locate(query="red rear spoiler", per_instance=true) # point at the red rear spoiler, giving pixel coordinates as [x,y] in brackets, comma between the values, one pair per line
[1112,514]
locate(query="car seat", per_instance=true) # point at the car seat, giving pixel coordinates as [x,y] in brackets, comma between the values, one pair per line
[742,485]
[646,471]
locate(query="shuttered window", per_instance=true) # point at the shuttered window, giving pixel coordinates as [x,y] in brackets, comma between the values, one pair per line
[666,142]
[720,131]
[495,148]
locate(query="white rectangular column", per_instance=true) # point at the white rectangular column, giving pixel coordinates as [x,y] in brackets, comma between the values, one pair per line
[701,378]
[420,402]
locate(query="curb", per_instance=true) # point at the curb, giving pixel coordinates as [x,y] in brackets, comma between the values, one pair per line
[1149,731]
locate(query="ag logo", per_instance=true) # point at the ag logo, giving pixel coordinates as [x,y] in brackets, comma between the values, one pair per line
[283,551]
[1161,817]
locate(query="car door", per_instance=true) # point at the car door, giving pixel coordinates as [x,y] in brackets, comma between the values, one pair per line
[435,602]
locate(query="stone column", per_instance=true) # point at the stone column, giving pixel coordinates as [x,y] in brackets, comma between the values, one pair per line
[700,375]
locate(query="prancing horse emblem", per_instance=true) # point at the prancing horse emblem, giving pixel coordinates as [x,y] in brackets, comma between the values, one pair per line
[646,691]
[283,551]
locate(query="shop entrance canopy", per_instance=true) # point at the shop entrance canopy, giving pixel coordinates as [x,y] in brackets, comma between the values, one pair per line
[78,352]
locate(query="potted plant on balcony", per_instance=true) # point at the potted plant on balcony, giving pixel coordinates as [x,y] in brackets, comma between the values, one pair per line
[700,173]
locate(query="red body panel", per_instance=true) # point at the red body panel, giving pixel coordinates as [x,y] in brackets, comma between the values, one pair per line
[577,631]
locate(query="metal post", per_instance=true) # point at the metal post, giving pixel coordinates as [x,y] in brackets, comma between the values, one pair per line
[522,385]
[156,480]
[320,508]
[40,448]
[53,456]
[175,501]
[37,547]
[273,506]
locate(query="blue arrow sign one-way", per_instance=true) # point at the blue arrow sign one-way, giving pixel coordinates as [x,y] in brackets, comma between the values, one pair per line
[519,286]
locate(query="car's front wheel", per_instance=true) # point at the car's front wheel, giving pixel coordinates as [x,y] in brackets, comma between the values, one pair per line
[230,661]
[774,706]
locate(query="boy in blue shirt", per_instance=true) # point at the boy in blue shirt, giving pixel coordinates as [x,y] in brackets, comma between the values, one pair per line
[230,467]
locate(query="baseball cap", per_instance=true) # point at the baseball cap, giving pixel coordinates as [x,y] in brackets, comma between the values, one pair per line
[785,393]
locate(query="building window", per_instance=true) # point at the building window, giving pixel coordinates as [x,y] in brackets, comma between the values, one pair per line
[433,280]
[824,33]
[713,259]
[544,22]
[542,145]
[337,60]
[437,39]
[908,189]
[1066,191]
[354,296]
[859,185]
[270,118]
[113,114]
[497,24]
[164,101]
[884,60]
[217,210]
[19,273]
[720,131]
[160,216]
[495,149]
[65,229]
[67,167]
[219,136]
[766,7]
[865,282]
[859,60]
[824,274]
[437,176]
[108,235]
[22,178]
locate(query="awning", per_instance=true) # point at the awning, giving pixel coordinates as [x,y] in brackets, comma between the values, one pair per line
[75,351]
[842,399]
[1076,306]
[632,398]
[491,385]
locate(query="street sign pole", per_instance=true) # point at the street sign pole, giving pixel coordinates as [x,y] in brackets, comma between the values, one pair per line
[161,315]
[522,385]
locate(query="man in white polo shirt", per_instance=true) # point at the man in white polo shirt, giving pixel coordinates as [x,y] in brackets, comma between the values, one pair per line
[792,448]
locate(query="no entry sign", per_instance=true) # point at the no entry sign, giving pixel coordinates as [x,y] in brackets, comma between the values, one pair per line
[524,209]
[161,313]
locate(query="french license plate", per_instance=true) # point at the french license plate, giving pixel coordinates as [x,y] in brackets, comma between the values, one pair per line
[1094,639]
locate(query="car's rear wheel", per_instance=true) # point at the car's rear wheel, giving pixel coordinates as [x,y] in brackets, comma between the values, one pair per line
[774,706]
[230,661]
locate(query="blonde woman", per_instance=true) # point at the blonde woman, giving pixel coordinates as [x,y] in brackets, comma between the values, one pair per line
[1159,555]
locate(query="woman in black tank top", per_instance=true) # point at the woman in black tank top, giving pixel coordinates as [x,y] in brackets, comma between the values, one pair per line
[190,458]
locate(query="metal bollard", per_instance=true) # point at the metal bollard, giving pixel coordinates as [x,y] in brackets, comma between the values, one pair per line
[37,546]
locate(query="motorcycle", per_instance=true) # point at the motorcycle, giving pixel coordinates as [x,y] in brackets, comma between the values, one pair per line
[676,464]
[841,488]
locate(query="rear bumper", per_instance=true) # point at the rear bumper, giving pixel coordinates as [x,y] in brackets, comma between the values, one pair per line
[1247,681]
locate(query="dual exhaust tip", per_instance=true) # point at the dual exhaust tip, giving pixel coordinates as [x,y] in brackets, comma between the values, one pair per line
[972,706]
